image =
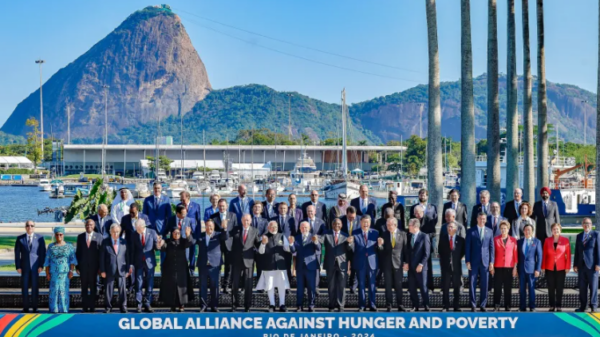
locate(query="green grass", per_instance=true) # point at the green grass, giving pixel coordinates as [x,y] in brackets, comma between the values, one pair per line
[77,176]
[8,242]
[8,267]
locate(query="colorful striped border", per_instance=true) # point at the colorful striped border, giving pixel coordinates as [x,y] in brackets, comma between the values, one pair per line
[29,325]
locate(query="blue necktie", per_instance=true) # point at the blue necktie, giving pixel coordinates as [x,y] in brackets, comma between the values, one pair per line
[545,210]
[526,246]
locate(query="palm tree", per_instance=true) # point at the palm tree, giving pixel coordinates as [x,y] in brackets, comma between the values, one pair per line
[493,125]
[598,132]
[542,162]
[467,110]
[434,124]
[528,165]
[512,123]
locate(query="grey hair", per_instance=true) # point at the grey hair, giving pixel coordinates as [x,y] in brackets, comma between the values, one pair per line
[485,192]
[414,222]
[450,211]
[420,207]
[389,211]
[392,220]
[115,225]
[140,222]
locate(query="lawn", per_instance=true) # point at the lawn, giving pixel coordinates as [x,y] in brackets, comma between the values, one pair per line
[8,242]
[77,176]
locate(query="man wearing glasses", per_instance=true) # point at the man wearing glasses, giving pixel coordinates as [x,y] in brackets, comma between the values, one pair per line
[30,253]
[320,208]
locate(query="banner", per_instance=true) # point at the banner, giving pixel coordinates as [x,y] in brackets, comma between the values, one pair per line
[301,325]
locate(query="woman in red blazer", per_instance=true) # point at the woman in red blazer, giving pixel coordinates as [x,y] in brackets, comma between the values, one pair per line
[505,262]
[556,262]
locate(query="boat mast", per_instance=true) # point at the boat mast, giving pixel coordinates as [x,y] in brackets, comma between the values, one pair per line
[204,149]
[181,116]
[344,155]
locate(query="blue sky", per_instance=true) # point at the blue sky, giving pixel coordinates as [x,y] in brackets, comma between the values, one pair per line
[387,32]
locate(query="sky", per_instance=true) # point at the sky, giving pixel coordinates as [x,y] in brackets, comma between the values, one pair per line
[314,47]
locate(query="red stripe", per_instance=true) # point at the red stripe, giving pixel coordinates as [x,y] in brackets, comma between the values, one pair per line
[4,321]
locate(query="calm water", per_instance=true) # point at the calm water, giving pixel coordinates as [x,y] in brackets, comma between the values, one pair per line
[18,204]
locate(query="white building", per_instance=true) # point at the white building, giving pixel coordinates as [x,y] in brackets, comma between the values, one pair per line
[15,162]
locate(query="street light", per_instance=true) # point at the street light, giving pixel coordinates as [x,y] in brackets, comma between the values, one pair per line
[40,62]
[105,129]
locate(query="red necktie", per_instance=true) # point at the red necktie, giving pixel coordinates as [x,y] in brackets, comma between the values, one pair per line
[180,223]
[245,235]
[143,240]
[336,238]
[366,243]
[451,243]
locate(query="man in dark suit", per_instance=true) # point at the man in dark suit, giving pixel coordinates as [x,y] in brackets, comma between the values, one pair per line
[244,239]
[452,250]
[127,230]
[242,204]
[103,221]
[320,208]
[308,260]
[364,245]
[529,267]
[194,211]
[350,225]
[381,223]
[417,264]
[398,208]
[287,226]
[511,208]
[482,206]
[364,204]
[479,257]
[222,220]
[335,262]
[587,265]
[143,242]
[261,225]
[428,224]
[115,265]
[450,216]
[30,253]
[210,243]
[317,225]
[88,264]
[181,221]
[270,206]
[158,209]
[393,261]
[494,219]
[545,214]
[459,208]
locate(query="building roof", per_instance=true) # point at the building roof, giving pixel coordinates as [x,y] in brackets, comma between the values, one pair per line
[15,160]
[233,147]
[190,164]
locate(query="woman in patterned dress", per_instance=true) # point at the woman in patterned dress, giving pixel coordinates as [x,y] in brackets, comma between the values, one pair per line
[60,263]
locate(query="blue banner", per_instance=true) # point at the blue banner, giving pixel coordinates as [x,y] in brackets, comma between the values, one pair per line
[302,325]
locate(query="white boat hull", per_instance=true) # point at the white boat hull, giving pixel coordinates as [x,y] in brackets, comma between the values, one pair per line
[347,187]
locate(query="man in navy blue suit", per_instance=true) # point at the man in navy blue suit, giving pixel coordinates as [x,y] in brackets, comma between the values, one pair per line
[419,248]
[127,229]
[193,209]
[364,204]
[270,206]
[479,257]
[30,253]
[209,262]
[103,221]
[482,206]
[115,265]
[364,245]
[143,242]
[317,225]
[158,209]
[587,265]
[242,204]
[494,219]
[308,261]
[529,266]
[182,221]
[320,208]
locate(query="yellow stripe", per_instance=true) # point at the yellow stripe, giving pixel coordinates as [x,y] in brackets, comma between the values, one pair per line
[20,325]
[596,317]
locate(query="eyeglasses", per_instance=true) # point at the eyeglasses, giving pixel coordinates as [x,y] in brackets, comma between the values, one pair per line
[59,234]
[30,226]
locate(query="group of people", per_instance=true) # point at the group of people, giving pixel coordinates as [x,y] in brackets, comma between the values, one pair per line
[280,240]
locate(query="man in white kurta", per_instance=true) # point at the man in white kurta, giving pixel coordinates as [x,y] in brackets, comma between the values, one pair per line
[274,247]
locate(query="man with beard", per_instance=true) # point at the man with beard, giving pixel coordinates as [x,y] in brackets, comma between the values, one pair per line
[339,210]
[459,208]
[397,207]
[545,214]
[274,246]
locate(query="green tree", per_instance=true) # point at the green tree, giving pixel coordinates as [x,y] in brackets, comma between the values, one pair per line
[415,155]
[34,151]
[164,163]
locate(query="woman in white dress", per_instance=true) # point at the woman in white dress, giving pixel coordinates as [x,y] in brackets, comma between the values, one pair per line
[274,247]
[525,211]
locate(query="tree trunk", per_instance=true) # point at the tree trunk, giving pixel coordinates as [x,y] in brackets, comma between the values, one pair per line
[542,153]
[434,139]
[512,119]
[598,134]
[493,125]
[467,110]
[528,164]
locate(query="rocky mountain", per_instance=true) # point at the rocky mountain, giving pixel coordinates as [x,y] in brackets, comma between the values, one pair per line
[150,66]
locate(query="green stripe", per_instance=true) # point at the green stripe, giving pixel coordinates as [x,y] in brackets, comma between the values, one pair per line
[53,322]
[591,321]
[574,321]
[34,323]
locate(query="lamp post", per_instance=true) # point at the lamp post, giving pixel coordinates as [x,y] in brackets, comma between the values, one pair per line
[105,142]
[40,62]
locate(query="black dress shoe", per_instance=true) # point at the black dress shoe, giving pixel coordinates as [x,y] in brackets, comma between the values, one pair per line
[107,311]
[483,309]
[214,309]
[340,309]
[553,309]
[457,310]
[123,311]
[234,308]
[271,308]
[247,310]
[331,310]
[35,311]
[401,309]
[496,308]
[507,309]
[173,309]
[389,309]
[139,310]
[282,308]
[148,309]
[591,310]
[559,309]
[580,310]
[472,309]
[444,309]
[311,309]
[25,310]
[202,309]
[361,309]
[532,310]
[426,308]
[373,309]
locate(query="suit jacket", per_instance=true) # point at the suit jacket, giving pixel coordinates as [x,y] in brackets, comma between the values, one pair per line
[289,227]
[531,262]
[334,212]
[211,253]
[236,207]
[114,264]
[209,211]
[318,226]
[371,207]
[321,210]
[104,230]
[418,254]
[144,254]
[460,230]
[393,257]
[542,223]
[355,226]
[559,257]
[158,212]
[260,224]
[274,212]
[336,255]
[88,258]
[450,259]
[380,225]
[231,221]
[461,212]
[243,254]
[587,254]
[128,226]
[479,252]
[496,230]
[430,218]
[30,259]
[308,254]
[193,211]
[510,212]
[186,222]
[296,213]
[506,254]
[399,214]
[519,225]
[476,210]
[365,252]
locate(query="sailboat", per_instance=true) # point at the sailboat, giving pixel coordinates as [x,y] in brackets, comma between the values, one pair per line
[343,184]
